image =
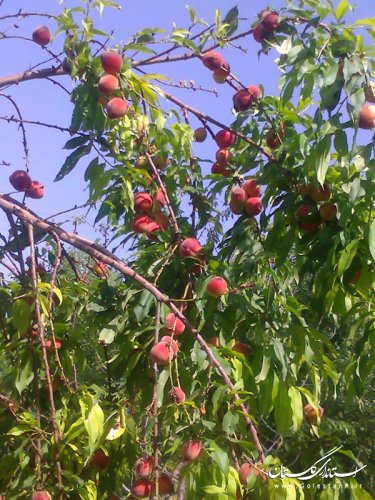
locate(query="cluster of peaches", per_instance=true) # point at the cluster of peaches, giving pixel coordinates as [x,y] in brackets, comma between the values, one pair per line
[310,215]
[144,486]
[150,218]
[21,181]
[246,199]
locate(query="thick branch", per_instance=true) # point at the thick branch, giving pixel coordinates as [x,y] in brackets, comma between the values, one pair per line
[98,252]
[31,75]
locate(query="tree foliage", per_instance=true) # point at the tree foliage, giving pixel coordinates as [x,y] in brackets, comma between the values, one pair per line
[80,399]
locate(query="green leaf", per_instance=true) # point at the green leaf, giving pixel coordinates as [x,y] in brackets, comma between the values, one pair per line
[21,316]
[72,161]
[347,256]
[219,456]
[24,371]
[142,309]
[343,8]
[297,407]
[283,410]
[107,336]
[162,380]
[93,418]
[371,239]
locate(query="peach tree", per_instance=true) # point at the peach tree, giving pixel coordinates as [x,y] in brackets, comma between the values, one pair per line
[223,323]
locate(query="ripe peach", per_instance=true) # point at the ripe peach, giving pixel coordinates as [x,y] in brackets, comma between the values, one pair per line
[273,138]
[20,180]
[142,488]
[165,484]
[173,324]
[100,460]
[237,207]
[254,206]
[220,75]
[216,287]
[213,60]
[161,354]
[159,199]
[108,84]
[100,269]
[143,202]
[50,346]
[321,193]
[311,414]
[367,117]
[308,218]
[260,33]
[41,35]
[252,189]
[244,98]
[117,108]
[140,223]
[241,347]
[41,495]
[170,343]
[238,194]
[152,228]
[225,138]
[200,134]
[270,20]
[190,248]
[246,469]
[328,211]
[177,395]
[214,341]
[162,219]
[35,191]
[191,450]
[223,156]
[355,276]
[221,170]
[370,92]
[111,62]
[144,466]
[304,189]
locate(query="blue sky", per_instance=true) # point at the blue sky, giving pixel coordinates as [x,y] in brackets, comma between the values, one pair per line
[45,102]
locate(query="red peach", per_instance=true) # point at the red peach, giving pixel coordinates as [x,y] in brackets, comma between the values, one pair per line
[35,191]
[273,138]
[100,269]
[241,347]
[151,229]
[159,199]
[308,218]
[50,347]
[213,60]
[41,35]
[140,223]
[304,189]
[246,469]
[237,207]
[254,206]
[220,75]
[221,170]
[111,62]
[142,488]
[321,193]
[225,138]
[311,415]
[260,33]
[161,354]
[244,98]
[367,117]
[355,277]
[20,180]
[200,134]
[41,495]
[165,484]
[100,460]
[223,156]
[144,466]
[214,341]
[270,20]
[177,395]
[252,189]
[108,84]
[117,108]
[162,219]
[190,248]
[170,343]
[173,324]
[143,202]
[328,211]
[238,194]
[191,450]
[216,287]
